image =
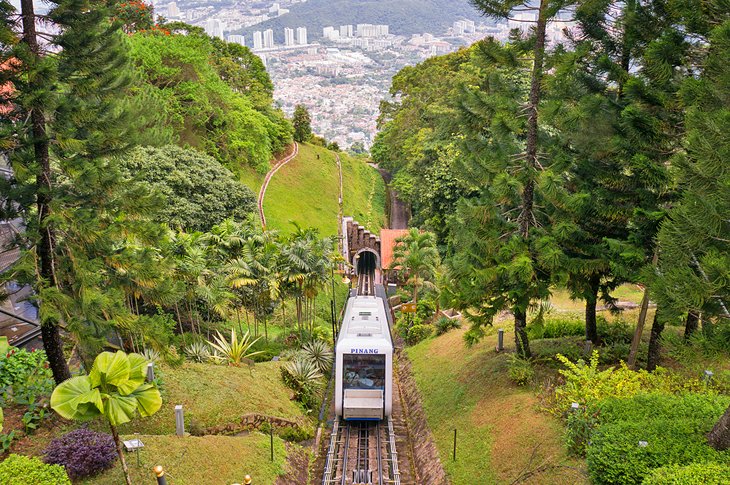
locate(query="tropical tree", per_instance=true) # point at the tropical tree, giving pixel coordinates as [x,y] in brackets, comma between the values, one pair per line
[302,122]
[114,389]
[416,256]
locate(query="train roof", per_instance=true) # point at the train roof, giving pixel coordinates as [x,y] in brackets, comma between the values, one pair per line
[365,319]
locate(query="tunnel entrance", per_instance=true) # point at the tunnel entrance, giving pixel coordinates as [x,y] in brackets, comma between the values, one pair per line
[366,263]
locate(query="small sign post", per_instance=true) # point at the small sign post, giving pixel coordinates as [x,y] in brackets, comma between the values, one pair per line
[408,308]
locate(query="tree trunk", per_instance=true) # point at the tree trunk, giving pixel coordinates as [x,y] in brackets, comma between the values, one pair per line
[50,331]
[633,352]
[690,327]
[719,437]
[522,343]
[120,452]
[527,218]
[591,301]
[655,343]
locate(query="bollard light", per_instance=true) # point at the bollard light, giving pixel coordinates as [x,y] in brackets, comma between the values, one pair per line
[160,475]
[247,480]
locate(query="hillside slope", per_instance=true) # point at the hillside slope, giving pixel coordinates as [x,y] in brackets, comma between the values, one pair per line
[405,17]
[306,191]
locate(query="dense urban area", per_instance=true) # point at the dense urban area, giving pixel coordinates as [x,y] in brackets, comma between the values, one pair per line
[364,242]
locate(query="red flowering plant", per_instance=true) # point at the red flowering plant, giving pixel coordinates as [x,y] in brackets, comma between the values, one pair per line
[135,15]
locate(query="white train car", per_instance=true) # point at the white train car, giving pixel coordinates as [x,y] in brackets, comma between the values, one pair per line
[364,361]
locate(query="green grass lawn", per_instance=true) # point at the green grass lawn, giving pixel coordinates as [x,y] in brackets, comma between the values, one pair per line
[215,395]
[501,433]
[364,193]
[202,460]
[306,191]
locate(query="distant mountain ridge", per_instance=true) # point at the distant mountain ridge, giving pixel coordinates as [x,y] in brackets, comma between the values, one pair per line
[405,17]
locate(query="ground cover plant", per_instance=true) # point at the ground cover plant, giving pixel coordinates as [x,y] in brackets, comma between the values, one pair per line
[82,452]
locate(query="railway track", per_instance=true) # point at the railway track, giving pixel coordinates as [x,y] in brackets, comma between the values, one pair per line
[366,284]
[362,453]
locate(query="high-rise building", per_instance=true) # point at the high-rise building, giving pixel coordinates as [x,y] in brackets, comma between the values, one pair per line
[302,36]
[214,28]
[173,11]
[330,33]
[269,39]
[288,36]
[258,40]
[370,30]
[237,39]
[346,31]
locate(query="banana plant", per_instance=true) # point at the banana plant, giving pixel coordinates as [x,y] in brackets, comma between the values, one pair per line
[115,389]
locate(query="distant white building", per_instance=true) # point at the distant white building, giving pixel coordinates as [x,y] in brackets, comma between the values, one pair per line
[330,33]
[237,39]
[372,31]
[269,39]
[214,28]
[302,36]
[288,36]
[346,31]
[173,11]
[462,27]
[258,40]
[275,8]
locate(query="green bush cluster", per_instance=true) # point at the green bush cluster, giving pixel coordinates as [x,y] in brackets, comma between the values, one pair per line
[645,432]
[520,370]
[587,385]
[18,367]
[556,327]
[444,324]
[24,470]
[694,474]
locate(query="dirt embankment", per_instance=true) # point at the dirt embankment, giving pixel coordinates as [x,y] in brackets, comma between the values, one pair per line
[426,467]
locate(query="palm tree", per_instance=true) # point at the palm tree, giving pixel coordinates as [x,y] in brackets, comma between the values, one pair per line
[417,256]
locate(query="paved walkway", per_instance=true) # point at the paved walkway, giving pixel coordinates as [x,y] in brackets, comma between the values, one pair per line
[262,191]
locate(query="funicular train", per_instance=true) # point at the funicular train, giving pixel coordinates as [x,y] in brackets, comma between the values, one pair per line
[364,360]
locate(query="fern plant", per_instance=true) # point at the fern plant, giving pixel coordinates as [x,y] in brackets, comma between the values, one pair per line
[235,351]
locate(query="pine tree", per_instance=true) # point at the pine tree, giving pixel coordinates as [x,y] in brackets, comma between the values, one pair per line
[693,274]
[302,124]
[91,226]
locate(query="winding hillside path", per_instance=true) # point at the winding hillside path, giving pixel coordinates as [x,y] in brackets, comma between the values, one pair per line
[265,185]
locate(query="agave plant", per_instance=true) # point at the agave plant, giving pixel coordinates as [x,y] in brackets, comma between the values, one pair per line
[197,352]
[301,373]
[320,354]
[152,355]
[234,351]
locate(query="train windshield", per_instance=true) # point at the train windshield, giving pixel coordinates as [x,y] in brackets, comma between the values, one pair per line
[363,371]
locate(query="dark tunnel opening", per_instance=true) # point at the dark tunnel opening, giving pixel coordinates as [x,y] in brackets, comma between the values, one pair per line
[366,263]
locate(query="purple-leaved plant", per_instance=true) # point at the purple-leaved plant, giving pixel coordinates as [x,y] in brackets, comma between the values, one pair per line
[83,452]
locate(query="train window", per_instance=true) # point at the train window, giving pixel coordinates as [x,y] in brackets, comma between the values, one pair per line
[363,371]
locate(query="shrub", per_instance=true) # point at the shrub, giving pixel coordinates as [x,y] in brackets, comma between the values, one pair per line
[82,452]
[587,385]
[694,474]
[24,470]
[444,324]
[556,327]
[296,434]
[579,426]
[23,373]
[673,428]
[520,370]
[418,332]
